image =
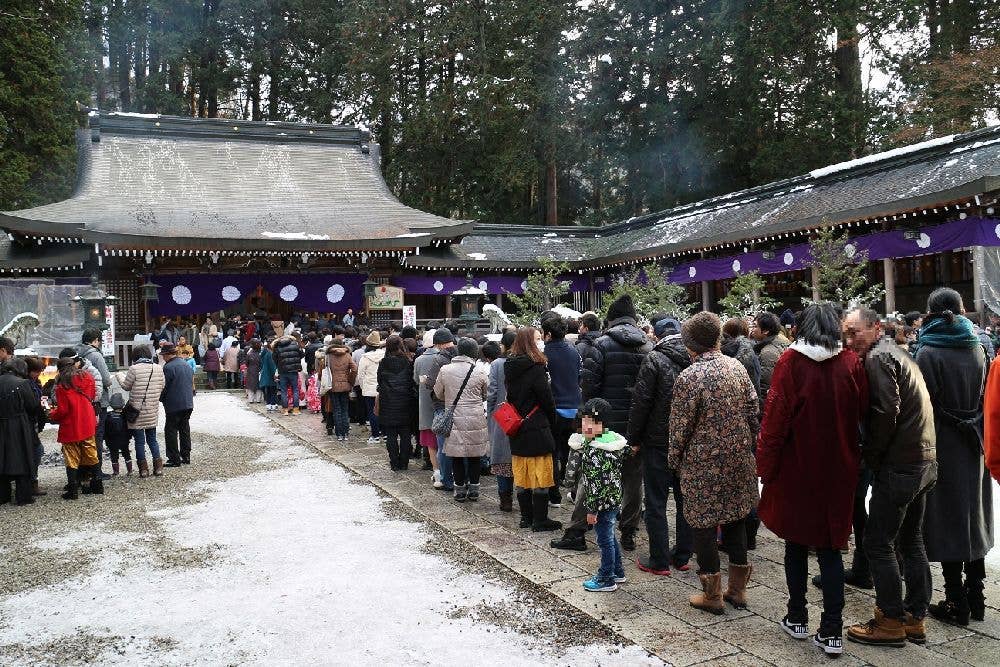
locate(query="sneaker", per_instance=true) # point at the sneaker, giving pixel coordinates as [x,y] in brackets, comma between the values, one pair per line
[570,543]
[374,440]
[832,645]
[795,629]
[620,578]
[681,567]
[595,585]
[436,480]
[644,565]
[552,504]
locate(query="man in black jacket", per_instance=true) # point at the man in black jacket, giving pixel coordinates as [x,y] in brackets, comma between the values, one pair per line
[900,450]
[621,350]
[586,345]
[288,358]
[648,426]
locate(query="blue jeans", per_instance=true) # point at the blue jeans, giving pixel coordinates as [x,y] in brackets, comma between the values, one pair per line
[341,421]
[372,417]
[284,380]
[611,551]
[444,464]
[505,484]
[144,436]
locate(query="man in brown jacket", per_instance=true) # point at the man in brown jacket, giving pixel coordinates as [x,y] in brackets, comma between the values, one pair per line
[899,449]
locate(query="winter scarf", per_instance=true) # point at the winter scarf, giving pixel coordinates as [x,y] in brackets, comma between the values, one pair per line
[937,331]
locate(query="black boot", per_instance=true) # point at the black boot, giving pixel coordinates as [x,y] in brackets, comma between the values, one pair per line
[541,523]
[570,541]
[975,574]
[72,474]
[524,503]
[752,524]
[96,485]
[5,494]
[954,609]
[22,490]
[628,540]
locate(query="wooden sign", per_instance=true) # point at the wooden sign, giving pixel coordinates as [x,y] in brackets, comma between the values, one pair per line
[386,297]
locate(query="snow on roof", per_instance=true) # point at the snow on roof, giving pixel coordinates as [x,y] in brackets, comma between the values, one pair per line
[878,157]
[296,236]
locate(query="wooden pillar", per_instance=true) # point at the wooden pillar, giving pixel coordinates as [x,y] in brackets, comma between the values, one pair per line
[447,307]
[815,283]
[889,280]
[706,295]
[498,300]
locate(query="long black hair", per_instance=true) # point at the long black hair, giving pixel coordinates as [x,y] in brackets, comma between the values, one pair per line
[820,325]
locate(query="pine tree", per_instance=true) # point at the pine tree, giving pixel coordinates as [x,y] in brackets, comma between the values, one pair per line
[746,297]
[841,271]
[651,292]
[543,290]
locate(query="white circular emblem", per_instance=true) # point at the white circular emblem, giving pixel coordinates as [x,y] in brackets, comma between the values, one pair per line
[788,259]
[181,295]
[996,231]
[438,285]
[335,293]
[524,284]
[850,250]
[924,241]
[692,272]
[482,285]
[230,293]
[736,266]
[289,293]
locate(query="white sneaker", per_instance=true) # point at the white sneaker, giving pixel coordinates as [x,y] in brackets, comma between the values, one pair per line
[374,441]
[436,479]
[794,629]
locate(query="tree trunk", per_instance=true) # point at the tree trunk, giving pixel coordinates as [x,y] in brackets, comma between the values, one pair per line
[551,193]
[849,120]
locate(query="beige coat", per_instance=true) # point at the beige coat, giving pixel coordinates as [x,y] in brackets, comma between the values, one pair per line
[230,360]
[368,372]
[469,435]
[135,382]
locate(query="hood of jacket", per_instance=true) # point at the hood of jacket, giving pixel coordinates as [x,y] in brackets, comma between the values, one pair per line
[814,352]
[673,348]
[732,346]
[779,340]
[609,441]
[337,350]
[626,333]
[374,355]
[517,365]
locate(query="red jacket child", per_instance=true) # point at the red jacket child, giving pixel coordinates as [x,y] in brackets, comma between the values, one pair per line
[74,411]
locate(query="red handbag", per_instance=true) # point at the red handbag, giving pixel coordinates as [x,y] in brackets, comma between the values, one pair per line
[509,419]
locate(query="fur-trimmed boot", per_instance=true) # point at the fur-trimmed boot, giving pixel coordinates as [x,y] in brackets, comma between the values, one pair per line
[157,467]
[710,598]
[739,576]
[143,468]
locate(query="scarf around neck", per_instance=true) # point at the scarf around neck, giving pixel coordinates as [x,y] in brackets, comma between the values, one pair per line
[938,332]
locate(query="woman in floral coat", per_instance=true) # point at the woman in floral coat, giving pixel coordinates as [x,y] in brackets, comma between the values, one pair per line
[713,425]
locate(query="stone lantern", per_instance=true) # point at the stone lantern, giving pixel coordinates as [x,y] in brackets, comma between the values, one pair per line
[468,297]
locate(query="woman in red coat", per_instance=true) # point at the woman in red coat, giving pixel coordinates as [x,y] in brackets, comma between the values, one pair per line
[74,412]
[808,459]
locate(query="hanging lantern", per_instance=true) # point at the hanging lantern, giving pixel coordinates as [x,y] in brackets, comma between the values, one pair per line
[148,291]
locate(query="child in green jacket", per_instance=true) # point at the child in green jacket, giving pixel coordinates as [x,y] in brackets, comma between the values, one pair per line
[602,453]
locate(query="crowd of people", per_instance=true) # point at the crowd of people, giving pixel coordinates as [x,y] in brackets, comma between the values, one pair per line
[791,421]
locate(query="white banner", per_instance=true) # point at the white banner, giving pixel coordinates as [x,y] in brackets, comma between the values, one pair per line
[409,316]
[108,335]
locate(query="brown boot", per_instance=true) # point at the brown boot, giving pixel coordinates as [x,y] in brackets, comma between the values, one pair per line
[157,467]
[710,599]
[115,469]
[880,631]
[736,591]
[128,467]
[143,468]
[295,411]
[36,490]
[284,412]
[914,629]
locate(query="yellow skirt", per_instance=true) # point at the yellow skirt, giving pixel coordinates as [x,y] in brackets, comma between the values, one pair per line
[533,472]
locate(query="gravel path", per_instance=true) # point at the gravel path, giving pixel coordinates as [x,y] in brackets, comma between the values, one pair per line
[263,552]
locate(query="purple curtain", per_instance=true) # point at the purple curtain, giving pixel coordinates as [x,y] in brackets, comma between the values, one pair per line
[491,284]
[204,293]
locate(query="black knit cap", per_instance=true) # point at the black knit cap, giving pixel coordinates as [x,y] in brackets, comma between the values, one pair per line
[622,307]
[701,332]
[597,409]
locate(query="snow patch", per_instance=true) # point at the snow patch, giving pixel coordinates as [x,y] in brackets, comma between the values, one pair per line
[477,255]
[412,235]
[295,236]
[878,157]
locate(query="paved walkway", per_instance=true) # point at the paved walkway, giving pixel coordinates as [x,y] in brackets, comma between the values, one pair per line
[649,610]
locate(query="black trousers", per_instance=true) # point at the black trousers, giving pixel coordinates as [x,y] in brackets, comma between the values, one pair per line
[22,488]
[658,480]
[860,519]
[232,380]
[975,572]
[734,537]
[561,431]
[831,570]
[895,521]
[178,428]
[399,445]
[466,469]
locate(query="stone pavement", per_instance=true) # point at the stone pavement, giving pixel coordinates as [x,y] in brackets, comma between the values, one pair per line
[653,611]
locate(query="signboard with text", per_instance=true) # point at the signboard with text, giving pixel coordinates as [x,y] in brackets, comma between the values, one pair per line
[409,316]
[386,297]
[108,335]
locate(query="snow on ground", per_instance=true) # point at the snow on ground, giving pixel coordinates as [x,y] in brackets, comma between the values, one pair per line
[306,569]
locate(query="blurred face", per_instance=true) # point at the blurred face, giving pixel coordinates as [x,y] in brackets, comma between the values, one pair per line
[591,428]
[181,340]
[539,341]
[860,336]
[755,331]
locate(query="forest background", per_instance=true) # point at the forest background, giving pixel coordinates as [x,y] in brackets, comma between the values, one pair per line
[513,111]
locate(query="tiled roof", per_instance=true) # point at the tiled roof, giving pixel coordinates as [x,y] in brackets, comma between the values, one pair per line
[159,178]
[938,171]
[35,258]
